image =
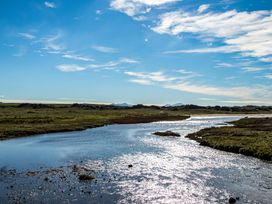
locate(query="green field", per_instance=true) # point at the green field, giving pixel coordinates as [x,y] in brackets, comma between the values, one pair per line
[24,120]
[248,136]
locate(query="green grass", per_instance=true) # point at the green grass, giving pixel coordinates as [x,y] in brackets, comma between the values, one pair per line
[24,121]
[248,136]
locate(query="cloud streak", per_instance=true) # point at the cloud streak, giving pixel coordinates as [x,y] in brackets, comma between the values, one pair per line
[104,49]
[113,64]
[70,68]
[77,57]
[268,76]
[182,84]
[252,69]
[136,7]
[50,4]
[203,8]
[27,36]
[106,66]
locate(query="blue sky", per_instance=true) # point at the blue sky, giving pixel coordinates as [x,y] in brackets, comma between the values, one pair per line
[136,51]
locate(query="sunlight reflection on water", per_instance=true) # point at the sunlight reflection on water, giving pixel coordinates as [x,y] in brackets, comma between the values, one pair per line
[184,172]
[165,170]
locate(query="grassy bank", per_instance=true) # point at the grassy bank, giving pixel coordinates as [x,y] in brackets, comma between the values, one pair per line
[248,136]
[18,120]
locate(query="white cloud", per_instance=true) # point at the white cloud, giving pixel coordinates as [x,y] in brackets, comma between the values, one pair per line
[249,33]
[141,81]
[51,45]
[210,90]
[252,69]
[225,65]
[70,68]
[151,76]
[27,36]
[126,60]
[266,59]
[135,7]
[114,64]
[222,49]
[50,4]
[184,71]
[104,49]
[203,8]
[98,12]
[148,78]
[268,76]
[207,99]
[77,57]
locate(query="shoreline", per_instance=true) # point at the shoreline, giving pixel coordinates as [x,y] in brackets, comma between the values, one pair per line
[247,136]
[233,114]
[124,120]
[116,121]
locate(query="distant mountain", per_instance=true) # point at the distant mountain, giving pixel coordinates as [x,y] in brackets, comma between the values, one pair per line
[174,105]
[122,104]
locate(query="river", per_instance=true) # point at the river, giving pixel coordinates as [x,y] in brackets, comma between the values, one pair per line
[164,169]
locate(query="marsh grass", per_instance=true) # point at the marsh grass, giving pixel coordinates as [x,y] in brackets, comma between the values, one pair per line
[248,136]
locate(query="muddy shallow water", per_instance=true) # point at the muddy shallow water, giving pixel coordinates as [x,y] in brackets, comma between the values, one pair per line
[164,170]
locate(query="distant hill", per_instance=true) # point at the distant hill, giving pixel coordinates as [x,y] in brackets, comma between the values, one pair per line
[174,105]
[122,104]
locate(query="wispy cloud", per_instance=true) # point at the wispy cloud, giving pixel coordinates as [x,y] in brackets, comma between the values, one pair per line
[50,4]
[28,36]
[203,8]
[77,57]
[249,33]
[268,76]
[70,68]
[98,12]
[104,49]
[224,65]
[51,44]
[209,90]
[222,49]
[114,64]
[141,81]
[136,7]
[252,69]
[184,85]
[150,77]
[266,59]
[207,99]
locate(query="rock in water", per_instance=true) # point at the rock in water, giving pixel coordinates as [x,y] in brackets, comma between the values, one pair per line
[167,133]
[232,200]
[84,177]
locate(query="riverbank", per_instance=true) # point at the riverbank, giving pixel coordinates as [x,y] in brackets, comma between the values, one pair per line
[248,136]
[19,121]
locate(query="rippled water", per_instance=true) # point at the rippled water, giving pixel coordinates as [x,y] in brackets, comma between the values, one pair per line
[165,170]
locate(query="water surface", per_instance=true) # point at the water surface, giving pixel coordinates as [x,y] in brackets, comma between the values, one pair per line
[165,170]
